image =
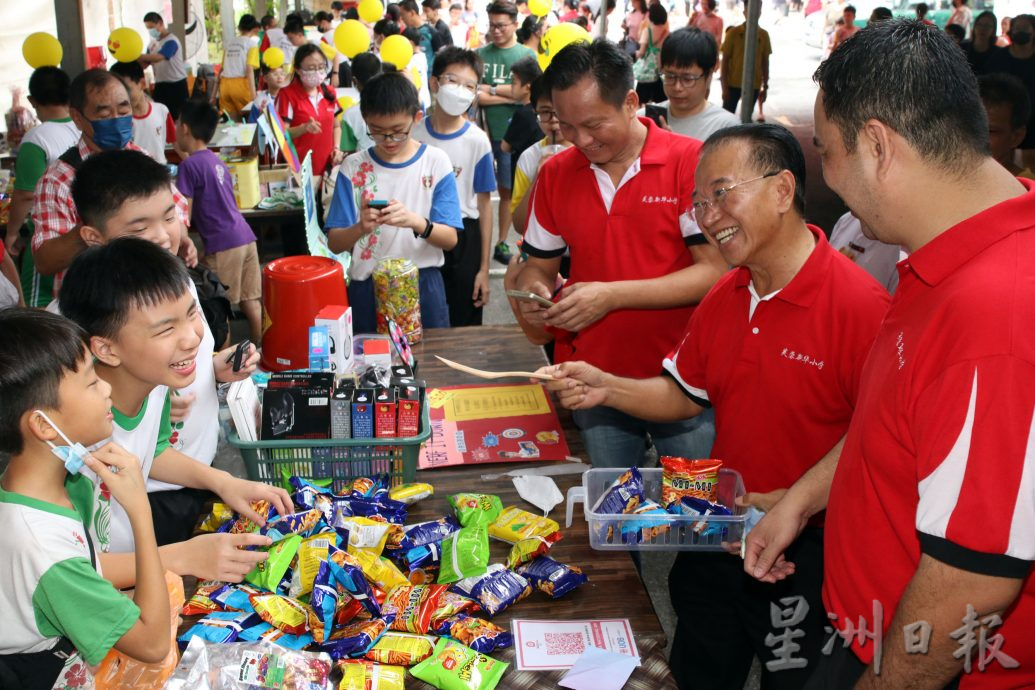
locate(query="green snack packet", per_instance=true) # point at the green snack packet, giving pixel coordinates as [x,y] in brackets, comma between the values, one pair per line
[269,573]
[473,510]
[454,666]
[464,553]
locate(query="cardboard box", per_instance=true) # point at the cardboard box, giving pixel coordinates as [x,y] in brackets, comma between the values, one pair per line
[297,406]
[363,413]
[402,371]
[377,352]
[384,413]
[338,321]
[341,411]
[408,415]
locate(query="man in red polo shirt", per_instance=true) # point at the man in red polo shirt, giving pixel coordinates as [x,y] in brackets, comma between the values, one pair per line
[930,527]
[776,348]
[619,201]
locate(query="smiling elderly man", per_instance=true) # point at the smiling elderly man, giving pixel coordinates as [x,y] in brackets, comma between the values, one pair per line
[776,347]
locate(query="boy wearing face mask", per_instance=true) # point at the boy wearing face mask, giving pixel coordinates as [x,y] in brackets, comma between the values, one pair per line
[454,85]
[99,105]
[165,56]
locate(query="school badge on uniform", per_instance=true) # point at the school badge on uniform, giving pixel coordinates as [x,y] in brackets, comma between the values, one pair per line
[428,181]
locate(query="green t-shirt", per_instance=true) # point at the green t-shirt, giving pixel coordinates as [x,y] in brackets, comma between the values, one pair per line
[497,73]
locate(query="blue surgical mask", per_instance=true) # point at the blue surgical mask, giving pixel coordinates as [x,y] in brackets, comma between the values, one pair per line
[112,134]
[72,455]
[155,34]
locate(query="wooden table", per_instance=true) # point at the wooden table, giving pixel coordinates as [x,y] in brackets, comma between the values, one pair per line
[614,590]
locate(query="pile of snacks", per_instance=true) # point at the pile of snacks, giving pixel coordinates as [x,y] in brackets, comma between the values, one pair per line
[689,487]
[369,595]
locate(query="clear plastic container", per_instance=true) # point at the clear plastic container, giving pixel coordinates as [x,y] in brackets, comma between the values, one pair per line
[684,533]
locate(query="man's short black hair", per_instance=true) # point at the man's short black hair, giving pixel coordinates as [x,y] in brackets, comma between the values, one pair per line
[957,31]
[1006,89]
[37,350]
[248,22]
[200,117]
[49,86]
[849,8]
[503,7]
[365,67]
[690,46]
[323,17]
[773,148]
[105,282]
[922,9]
[85,82]
[601,61]
[538,91]
[392,12]
[455,55]
[914,79]
[268,20]
[153,18]
[294,27]
[431,4]
[409,6]
[389,93]
[880,14]
[386,27]
[108,179]
[132,71]
[526,69]
[657,14]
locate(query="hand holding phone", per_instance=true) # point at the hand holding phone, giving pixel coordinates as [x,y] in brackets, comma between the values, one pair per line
[657,113]
[525,296]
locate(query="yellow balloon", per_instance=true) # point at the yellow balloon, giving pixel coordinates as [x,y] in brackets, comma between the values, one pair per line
[346,102]
[351,38]
[370,10]
[397,50]
[328,51]
[539,8]
[273,58]
[42,50]
[556,38]
[125,44]
[415,77]
[253,58]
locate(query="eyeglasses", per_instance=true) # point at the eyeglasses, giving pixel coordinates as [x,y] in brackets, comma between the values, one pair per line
[397,137]
[699,209]
[494,26]
[687,81]
[447,78]
[547,115]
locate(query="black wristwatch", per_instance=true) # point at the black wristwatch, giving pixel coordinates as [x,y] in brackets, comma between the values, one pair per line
[427,230]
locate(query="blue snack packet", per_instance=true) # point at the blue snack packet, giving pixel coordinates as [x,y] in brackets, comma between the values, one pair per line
[500,590]
[267,633]
[551,577]
[356,639]
[221,626]
[349,574]
[431,532]
[624,494]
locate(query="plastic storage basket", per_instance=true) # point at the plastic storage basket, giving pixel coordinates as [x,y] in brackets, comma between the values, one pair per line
[339,459]
[684,533]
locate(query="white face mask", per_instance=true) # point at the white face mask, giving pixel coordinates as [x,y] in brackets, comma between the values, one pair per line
[454,99]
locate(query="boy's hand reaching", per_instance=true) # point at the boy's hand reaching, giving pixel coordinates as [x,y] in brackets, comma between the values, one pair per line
[239,494]
[224,369]
[220,557]
[126,483]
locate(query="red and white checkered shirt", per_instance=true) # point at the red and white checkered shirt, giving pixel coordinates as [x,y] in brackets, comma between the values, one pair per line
[53,210]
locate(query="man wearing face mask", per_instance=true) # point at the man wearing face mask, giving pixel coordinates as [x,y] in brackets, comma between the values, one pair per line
[99,106]
[165,56]
[454,85]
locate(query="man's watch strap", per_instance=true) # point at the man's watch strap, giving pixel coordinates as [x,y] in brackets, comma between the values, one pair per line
[427,230]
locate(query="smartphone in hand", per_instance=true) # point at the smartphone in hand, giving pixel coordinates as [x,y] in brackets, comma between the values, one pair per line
[525,296]
[656,112]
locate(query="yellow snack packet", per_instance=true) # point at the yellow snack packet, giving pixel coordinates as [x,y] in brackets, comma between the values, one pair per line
[220,513]
[379,570]
[360,674]
[515,524]
[366,534]
[411,493]
[311,553]
[404,649]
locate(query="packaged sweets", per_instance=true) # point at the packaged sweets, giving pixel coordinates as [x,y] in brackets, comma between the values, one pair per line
[236,597]
[200,602]
[397,296]
[402,649]
[473,510]
[645,529]
[413,607]
[531,548]
[369,487]
[311,553]
[502,589]
[464,553]
[297,523]
[411,493]
[383,509]
[244,525]
[455,666]
[355,638]
[480,635]
[364,533]
[430,532]
[220,626]
[624,494]
[264,632]
[247,665]
[380,571]
[366,675]
[551,577]
[695,478]
[324,601]
[219,515]
[349,574]
[699,507]
[283,613]
[268,574]
[470,586]
[515,524]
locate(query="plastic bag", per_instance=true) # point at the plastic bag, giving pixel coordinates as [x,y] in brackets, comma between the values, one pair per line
[239,666]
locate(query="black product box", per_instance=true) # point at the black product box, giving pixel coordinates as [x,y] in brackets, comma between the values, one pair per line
[341,411]
[407,382]
[296,405]
[402,371]
[363,413]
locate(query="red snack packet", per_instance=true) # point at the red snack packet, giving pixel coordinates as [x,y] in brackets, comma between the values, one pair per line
[682,477]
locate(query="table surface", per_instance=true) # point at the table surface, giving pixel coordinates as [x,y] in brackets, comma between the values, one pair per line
[614,590]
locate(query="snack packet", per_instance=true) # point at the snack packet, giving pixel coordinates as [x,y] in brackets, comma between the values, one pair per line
[200,602]
[369,487]
[699,507]
[528,549]
[502,589]
[480,635]
[283,613]
[413,607]
[624,494]
[645,529]
[268,574]
[349,573]
[551,577]
[450,604]
[682,477]
[311,553]
[220,626]
[356,638]
[430,532]
[363,533]
[402,649]
[455,666]
[264,632]
[243,525]
[236,597]
[470,586]
[464,553]
[246,666]
[296,523]
[379,570]
[515,524]
[411,493]
[380,509]
[473,510]
[217,517]
[366,675]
